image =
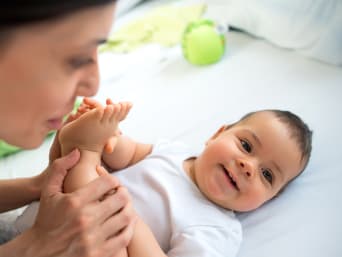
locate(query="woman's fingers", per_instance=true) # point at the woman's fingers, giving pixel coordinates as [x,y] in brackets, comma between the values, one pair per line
[97,188]
[120,240]
[58,171]
[115,201]
[118,222]
[55,149]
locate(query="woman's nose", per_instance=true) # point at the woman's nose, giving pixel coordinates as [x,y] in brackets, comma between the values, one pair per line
[88,88]
[88,85]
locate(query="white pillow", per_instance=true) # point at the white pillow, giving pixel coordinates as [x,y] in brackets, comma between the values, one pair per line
[311,27]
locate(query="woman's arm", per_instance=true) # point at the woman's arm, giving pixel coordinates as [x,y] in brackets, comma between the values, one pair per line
[126,152]
[18,192]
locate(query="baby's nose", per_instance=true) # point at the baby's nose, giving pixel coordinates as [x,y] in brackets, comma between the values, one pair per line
[246,167]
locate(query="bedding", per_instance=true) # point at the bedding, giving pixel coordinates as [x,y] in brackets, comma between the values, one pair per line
[123,6]
[176,100]
[310,27]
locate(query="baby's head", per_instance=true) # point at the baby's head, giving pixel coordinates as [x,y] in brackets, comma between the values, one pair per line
[247,163]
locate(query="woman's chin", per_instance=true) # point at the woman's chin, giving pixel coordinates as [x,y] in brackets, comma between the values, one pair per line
[31,143]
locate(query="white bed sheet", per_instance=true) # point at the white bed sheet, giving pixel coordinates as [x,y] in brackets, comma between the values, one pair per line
[173,99]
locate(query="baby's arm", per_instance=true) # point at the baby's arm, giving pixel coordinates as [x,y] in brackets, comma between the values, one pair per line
[125,153]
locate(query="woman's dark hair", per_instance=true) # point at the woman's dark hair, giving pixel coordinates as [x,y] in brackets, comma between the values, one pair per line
[21,12]
[17,13]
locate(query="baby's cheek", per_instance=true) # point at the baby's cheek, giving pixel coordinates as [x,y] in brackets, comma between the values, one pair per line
[252,201]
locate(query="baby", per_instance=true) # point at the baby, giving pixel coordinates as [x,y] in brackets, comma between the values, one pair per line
[188,199]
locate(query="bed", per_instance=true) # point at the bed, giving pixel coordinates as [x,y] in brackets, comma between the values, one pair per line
[177,100]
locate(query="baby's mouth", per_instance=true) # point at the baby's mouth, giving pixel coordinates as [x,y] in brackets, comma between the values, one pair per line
[229,176]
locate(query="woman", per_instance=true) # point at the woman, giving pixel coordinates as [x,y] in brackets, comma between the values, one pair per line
[48,57]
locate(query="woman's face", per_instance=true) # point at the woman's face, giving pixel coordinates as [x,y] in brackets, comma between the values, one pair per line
[44,68]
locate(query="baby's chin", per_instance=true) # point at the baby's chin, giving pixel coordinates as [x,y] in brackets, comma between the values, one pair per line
[246,208]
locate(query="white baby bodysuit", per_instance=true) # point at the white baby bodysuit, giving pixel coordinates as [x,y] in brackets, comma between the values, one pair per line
[184,222]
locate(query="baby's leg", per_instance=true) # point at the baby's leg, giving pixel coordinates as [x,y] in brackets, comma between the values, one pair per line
[122,253]
[90,133]
[93,128]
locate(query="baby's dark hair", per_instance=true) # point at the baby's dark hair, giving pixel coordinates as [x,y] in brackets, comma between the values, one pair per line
[298,129]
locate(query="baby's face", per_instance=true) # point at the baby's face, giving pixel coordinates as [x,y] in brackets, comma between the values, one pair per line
[246,165]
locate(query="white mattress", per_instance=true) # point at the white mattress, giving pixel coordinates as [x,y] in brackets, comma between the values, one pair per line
[173,99]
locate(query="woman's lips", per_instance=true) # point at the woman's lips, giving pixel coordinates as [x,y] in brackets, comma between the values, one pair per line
[55,124]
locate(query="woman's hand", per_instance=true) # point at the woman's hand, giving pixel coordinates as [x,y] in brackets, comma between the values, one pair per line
[79,223]
[55,150]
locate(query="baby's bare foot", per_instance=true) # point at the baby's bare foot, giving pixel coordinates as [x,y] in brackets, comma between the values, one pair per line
[93,128]
[80,133]
[122,109]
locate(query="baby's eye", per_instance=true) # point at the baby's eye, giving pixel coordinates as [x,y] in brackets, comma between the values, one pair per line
[246,146]
[267,175]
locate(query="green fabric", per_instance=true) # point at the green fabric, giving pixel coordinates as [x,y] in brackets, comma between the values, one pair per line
[7,149]
[164,25]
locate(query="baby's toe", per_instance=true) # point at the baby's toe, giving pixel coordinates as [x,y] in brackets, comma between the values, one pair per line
[108,113]
[126,107]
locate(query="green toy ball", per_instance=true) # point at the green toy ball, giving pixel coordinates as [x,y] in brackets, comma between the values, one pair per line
[203,43]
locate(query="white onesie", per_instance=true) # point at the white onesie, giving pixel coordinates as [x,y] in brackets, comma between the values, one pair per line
[184,222]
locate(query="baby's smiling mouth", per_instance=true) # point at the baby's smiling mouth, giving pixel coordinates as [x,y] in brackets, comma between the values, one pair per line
[229,176]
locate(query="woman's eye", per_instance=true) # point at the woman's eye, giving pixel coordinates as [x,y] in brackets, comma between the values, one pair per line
[80,62]
[267,175]
[246,146]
